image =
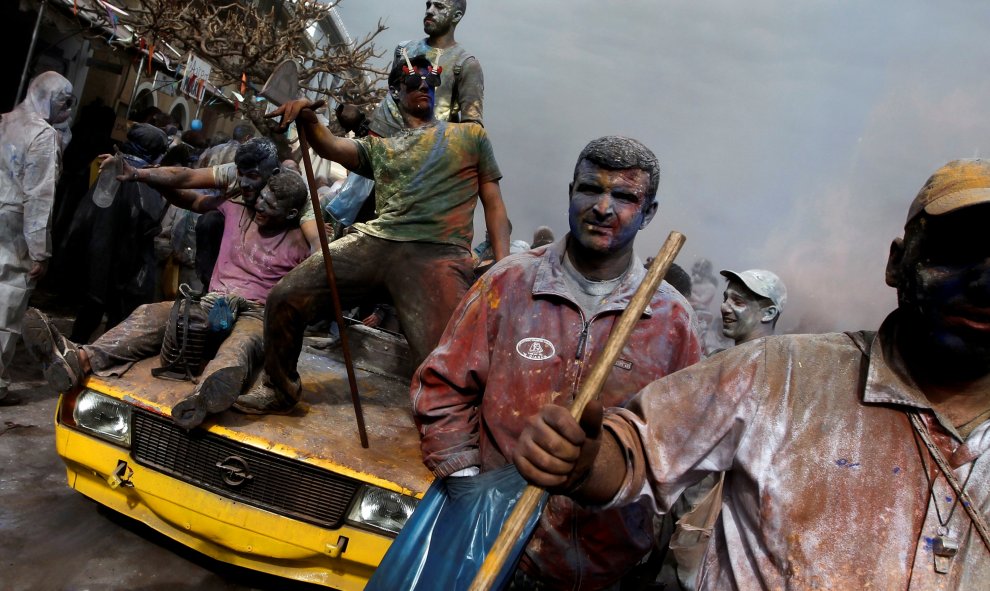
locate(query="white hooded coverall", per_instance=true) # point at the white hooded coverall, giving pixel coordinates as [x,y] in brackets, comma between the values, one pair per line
[30,162]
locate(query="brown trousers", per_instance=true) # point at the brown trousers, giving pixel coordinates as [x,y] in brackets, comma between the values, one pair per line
[426,282]
[140,336]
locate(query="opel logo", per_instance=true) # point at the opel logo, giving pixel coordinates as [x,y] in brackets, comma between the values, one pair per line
[234,470]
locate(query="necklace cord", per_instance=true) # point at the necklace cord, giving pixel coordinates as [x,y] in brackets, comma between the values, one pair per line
[961,495]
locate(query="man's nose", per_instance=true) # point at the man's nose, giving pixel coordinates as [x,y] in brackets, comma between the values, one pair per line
[603,206]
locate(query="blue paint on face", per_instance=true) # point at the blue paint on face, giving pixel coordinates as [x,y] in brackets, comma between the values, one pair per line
[608,207]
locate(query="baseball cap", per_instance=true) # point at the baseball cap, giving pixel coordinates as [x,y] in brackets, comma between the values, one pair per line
[958,184]
[762,283]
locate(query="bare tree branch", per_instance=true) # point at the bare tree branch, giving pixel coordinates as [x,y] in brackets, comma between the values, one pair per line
[249,38]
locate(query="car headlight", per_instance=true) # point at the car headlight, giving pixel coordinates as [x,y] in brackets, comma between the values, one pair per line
[105,417]
[381,509]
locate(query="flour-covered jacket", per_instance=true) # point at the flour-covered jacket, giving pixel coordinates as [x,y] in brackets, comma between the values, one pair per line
[518,341]
[826,485]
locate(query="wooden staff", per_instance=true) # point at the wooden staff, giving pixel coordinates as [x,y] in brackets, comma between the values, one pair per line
[332,279]
[527,503]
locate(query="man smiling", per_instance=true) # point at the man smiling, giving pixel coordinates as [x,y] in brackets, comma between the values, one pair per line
[256,251]
[852,460]
[255,161]
[526,334]
[751,304]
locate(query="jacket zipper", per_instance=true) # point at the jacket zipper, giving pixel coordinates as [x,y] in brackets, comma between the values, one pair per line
[582,341]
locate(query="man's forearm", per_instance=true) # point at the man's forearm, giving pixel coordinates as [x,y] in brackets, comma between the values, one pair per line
[176,177]
[187,199]
[331,147]
[496,219]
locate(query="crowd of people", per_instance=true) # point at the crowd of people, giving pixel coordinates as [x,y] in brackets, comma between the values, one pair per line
[842,461]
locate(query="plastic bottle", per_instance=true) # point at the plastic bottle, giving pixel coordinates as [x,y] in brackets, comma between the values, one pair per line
[107,183]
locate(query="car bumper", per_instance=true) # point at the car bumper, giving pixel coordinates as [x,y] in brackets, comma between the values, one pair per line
[227,530]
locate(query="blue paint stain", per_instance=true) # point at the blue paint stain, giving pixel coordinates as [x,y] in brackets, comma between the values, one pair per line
[897,469]
[928,544]
[948,499]
[844,463]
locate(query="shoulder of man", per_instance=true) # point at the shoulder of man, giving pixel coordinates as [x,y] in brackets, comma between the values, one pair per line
[514,271]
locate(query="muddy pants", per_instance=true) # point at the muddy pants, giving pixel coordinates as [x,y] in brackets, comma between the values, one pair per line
[426,282]
[140,336]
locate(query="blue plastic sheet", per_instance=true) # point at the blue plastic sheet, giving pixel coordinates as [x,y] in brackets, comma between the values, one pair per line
[446,539]
[346,204]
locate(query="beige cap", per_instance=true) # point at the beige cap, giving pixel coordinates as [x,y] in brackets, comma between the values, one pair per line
[958,184]
[762,283]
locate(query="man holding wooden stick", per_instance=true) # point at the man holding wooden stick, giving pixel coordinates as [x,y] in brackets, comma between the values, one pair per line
[526,335]
[852,460]
[429,180]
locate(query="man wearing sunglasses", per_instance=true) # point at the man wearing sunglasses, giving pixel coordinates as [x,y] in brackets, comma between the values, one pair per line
[460,94]
[418,250]
[32,159]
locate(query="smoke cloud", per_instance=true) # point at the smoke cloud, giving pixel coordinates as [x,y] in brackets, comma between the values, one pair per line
[791,136]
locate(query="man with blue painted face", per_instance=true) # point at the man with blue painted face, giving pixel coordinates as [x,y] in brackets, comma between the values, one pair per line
[460,96]
[428,180]
[526,335]
[255,161]
[851,460]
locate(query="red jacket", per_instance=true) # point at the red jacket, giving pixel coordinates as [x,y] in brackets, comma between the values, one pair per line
[518,341]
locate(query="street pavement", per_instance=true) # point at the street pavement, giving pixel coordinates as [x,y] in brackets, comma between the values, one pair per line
[53,538]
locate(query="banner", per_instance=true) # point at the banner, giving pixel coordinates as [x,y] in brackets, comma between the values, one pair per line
[194,77]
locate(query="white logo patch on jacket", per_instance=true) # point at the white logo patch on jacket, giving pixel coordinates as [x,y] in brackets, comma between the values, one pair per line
[535,349]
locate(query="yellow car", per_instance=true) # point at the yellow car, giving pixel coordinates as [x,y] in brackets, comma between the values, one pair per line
[294,496]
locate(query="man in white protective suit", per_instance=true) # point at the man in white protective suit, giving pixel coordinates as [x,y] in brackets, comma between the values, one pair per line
[30,163]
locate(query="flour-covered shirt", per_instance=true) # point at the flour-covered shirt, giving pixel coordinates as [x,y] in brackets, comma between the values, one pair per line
[427,181]
[250,264]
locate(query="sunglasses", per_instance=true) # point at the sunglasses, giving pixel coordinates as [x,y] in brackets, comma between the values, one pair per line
[415,81]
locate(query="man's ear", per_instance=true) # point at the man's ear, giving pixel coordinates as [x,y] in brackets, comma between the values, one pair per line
[648,212]
[458,16]
[894,262]
[292,214]
[769,314]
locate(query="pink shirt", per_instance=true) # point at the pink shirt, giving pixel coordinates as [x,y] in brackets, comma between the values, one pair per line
[250,264]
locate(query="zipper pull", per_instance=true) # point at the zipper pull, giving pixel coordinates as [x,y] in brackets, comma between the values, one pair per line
[582,341]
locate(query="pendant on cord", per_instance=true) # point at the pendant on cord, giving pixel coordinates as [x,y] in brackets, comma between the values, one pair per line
[944,547]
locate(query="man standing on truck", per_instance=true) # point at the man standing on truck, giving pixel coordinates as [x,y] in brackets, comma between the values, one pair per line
[852,460]
[418,249]
[260,245]
[460,96]
[526,334]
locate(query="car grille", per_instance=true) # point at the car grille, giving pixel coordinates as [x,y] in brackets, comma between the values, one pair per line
[280,485]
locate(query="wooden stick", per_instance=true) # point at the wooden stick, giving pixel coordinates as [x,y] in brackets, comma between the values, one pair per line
[332,279]
[527,504]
